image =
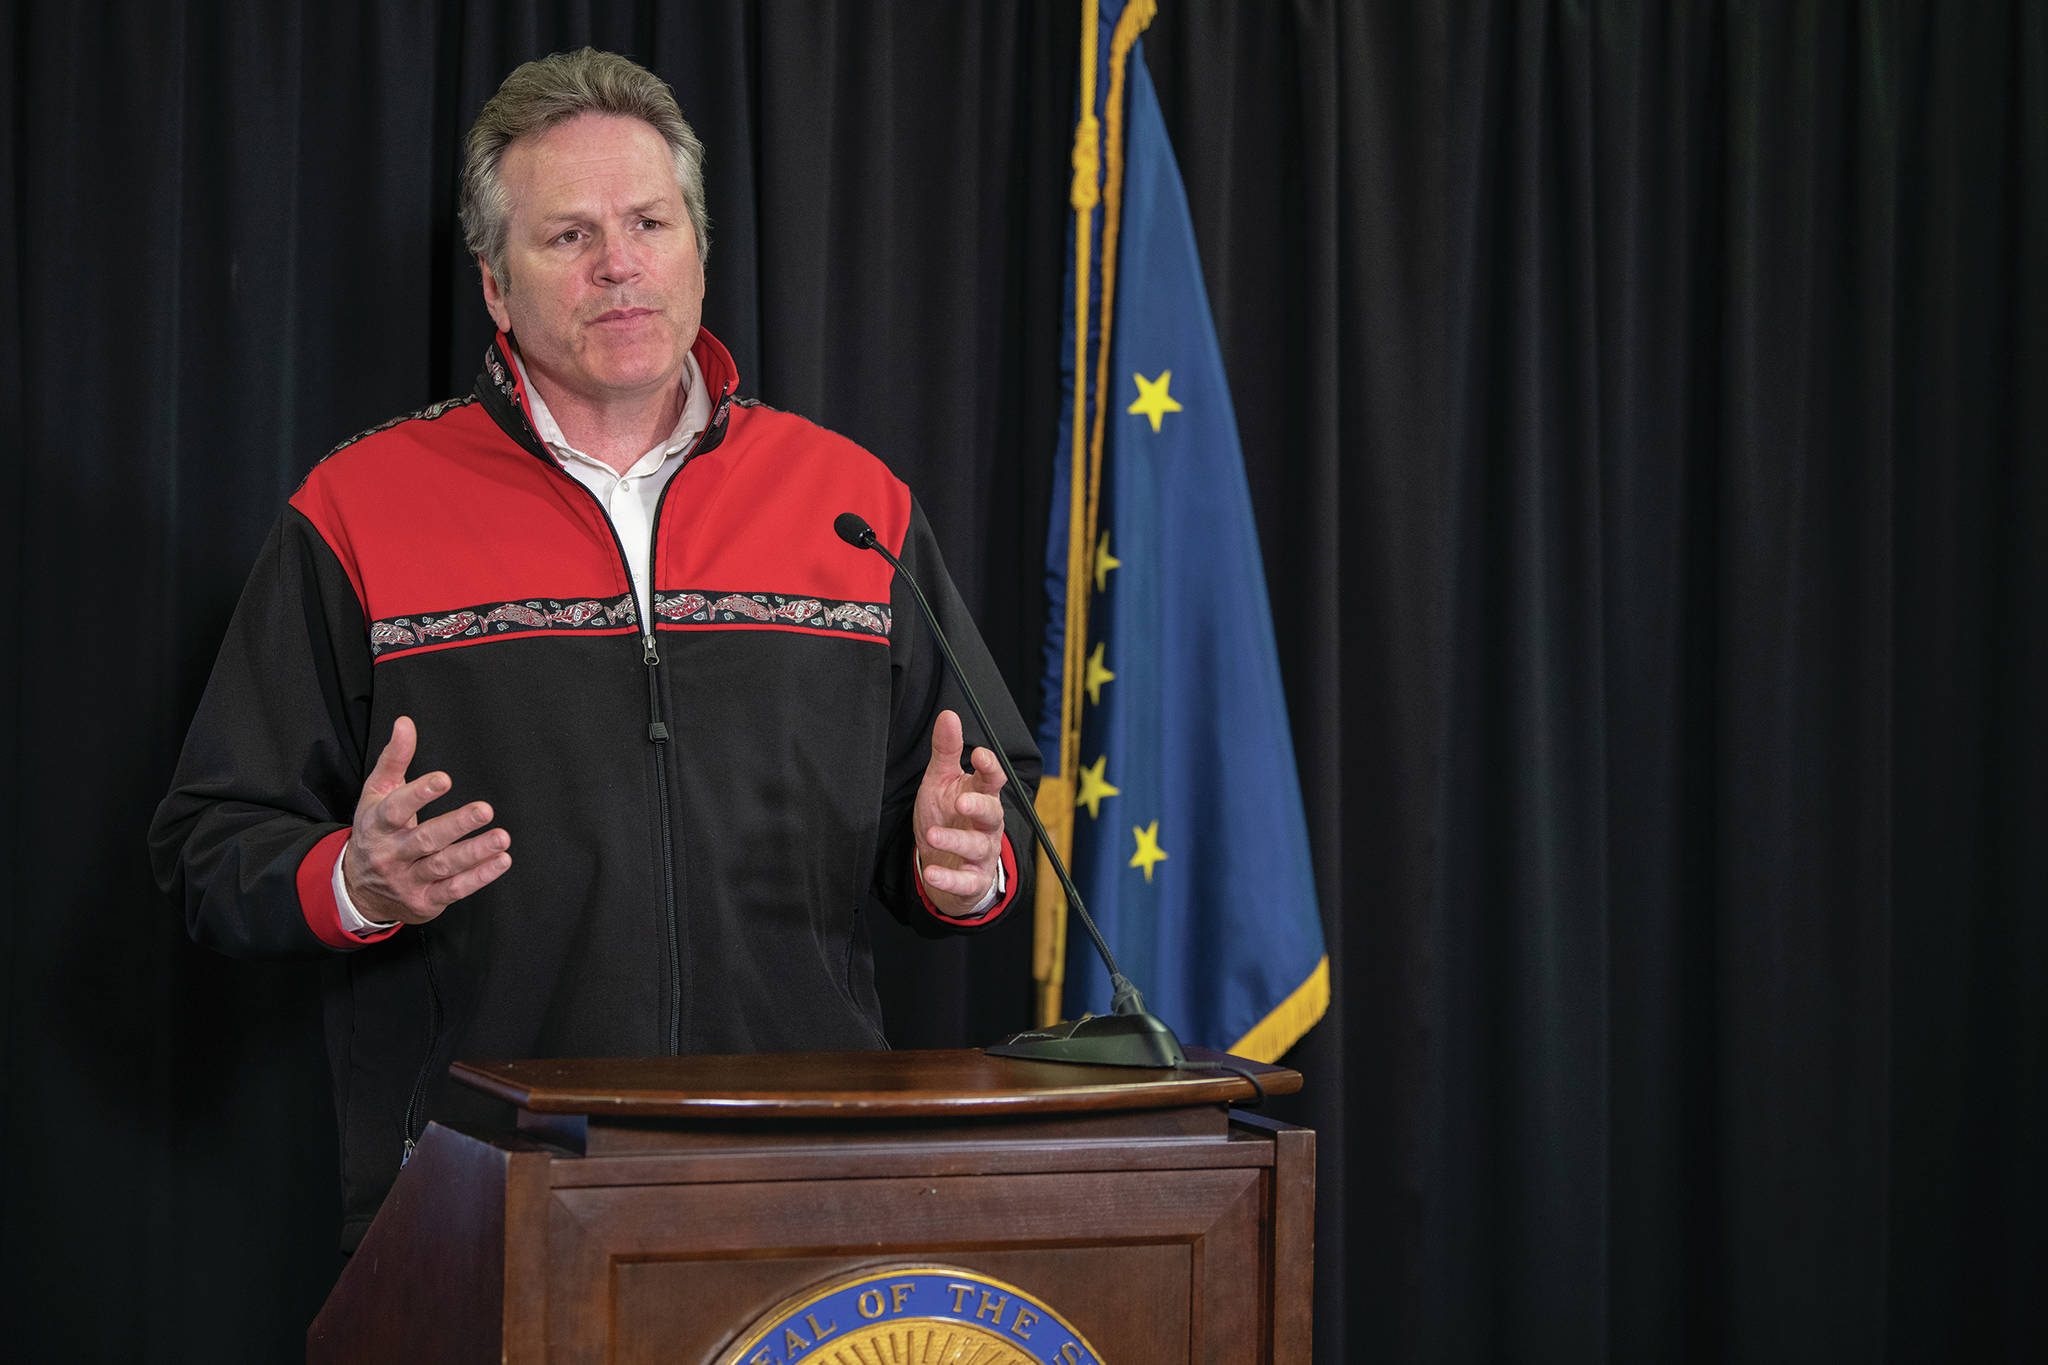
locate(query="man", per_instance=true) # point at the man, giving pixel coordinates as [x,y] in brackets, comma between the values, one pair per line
[557,718]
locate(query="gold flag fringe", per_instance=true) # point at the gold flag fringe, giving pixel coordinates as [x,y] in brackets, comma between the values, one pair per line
[1294,1016]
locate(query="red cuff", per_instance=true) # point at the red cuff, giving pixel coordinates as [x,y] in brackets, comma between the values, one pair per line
[1002,904]
[316,896]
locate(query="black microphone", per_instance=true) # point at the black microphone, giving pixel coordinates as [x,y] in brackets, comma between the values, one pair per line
[1128,1035]
[850,528]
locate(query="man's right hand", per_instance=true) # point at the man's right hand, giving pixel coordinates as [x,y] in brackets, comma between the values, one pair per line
[396,868]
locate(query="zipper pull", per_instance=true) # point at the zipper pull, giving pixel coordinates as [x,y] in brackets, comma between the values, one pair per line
[407,1155]
[657,732]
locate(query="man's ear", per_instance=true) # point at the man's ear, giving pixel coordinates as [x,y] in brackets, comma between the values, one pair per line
[494,296]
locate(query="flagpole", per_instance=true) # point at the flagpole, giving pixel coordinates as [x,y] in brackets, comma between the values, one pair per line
[1055,801]
[1088,189]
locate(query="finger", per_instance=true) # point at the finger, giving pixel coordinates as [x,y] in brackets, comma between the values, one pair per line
[981,811]
[398,808]
[988,771]
[389,770]
[968,845]
[438,833]
[472,881]
[458,858]
[956,881]
[946,743]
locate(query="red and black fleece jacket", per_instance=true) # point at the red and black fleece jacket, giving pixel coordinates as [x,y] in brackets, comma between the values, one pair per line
[704,806]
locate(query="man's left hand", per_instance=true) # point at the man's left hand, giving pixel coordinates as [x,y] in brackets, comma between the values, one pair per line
[958,822]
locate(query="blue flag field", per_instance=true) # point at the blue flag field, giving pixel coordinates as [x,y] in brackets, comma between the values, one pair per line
[1165,728]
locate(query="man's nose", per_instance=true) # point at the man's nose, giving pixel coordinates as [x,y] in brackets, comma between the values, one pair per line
[617,260]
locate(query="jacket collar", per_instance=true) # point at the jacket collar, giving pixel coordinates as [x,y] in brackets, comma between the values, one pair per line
[504,396]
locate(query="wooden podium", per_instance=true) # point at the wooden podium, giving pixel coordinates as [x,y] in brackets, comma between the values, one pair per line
[968,1207]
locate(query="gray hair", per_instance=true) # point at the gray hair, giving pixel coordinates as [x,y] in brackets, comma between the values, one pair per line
[553,90]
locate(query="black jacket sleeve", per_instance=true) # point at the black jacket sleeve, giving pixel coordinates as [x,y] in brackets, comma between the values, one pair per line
[275,758]
[923,687]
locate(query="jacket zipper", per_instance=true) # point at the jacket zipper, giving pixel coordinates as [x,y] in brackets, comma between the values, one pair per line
[657,734]
[657,728]
[416,1107]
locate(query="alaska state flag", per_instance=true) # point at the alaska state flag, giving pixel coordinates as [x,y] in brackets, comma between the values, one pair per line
[1188,838]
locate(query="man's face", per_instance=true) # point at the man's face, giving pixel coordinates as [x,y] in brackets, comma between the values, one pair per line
[605,289]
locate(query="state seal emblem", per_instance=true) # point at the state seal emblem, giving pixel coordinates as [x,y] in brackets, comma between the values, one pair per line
[911,1315]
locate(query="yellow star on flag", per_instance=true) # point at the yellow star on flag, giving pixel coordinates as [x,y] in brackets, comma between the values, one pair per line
[1149,851]
[1104,561]
[1153,399]
[1098,674]
[1093,787]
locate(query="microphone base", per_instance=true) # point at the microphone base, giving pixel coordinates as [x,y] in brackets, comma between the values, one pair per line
[1097,1040]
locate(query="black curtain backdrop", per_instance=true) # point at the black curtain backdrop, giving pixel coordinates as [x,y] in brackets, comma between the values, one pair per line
[1645,411]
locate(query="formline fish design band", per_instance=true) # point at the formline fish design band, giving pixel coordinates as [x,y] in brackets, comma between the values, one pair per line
[532,615]
[768,608]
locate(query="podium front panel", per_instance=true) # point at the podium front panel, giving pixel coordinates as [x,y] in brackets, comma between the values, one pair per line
[1125,1257]
[1158,1234]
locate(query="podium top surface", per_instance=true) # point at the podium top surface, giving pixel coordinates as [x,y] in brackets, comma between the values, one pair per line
[859,1085]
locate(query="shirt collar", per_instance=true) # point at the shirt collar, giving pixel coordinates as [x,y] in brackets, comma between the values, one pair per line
[696,416]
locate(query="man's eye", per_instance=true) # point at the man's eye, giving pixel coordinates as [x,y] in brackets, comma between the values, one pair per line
[650,222]
[571,237]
